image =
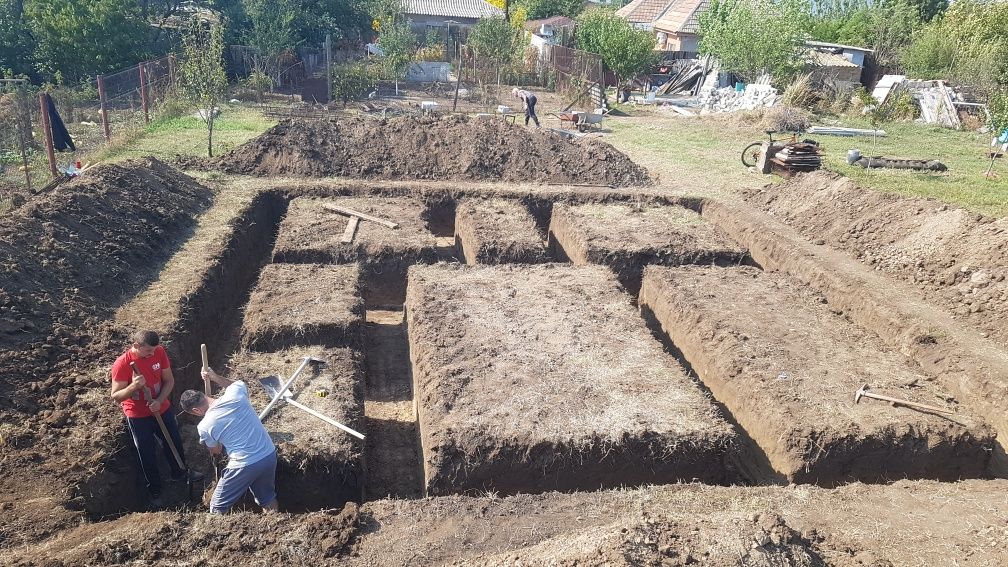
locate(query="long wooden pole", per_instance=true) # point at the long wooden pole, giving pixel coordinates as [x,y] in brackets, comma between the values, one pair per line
[104,108]
[143,93]
[160,422]
[206,366]
[458,82]
[47,134]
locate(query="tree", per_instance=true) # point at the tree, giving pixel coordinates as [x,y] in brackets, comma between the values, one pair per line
[15,43]
[886,28]
[967,45]
[756,37]
[627,52]
[80,38]
[272,31]
[495,39]
[538,9]
[201,71]
[398,43]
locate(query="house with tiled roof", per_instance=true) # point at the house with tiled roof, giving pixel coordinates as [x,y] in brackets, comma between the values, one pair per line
[674,22]
[456,16]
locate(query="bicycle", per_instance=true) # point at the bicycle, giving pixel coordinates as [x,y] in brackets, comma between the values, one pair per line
[751,153]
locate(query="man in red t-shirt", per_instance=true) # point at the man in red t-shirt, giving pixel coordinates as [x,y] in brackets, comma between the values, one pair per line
[127,389]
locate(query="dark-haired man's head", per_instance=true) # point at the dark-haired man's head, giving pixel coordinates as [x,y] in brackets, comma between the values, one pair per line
[144,342]
[194,402]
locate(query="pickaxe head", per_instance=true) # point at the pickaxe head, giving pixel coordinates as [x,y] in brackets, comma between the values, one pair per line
[860,393]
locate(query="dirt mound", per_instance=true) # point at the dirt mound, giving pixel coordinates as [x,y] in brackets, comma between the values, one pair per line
[206,539]
[453,147]
[957,258]
[67,259]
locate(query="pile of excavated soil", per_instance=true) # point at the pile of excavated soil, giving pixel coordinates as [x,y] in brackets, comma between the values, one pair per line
[448,148]
[905,523]
[67,260]
[958,259]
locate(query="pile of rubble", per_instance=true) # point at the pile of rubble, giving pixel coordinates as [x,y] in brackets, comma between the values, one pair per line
[729,99]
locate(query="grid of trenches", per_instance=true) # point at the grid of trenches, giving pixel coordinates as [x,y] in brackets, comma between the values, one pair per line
[567,344]
[470,356]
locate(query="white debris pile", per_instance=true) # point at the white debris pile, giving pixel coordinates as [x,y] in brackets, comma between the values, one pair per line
[730,100]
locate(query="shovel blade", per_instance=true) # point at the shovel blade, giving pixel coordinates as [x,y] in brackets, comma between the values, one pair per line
[272,385]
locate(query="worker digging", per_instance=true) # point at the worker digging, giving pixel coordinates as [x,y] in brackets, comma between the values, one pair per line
[142,380]
[230,423]
[528,102]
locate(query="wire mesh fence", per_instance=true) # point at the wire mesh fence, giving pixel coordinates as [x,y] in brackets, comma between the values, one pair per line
[109,109]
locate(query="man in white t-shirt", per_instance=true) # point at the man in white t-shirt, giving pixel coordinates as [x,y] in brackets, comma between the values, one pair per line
[231,424]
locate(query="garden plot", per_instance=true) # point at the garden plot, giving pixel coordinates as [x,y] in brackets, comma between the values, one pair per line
[538,378]
[626,238]
[787,368]
[319,465]
[497,231]
[304,304]
[310,233]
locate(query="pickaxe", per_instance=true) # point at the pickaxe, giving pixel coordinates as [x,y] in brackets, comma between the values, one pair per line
[863,392]
[164,432]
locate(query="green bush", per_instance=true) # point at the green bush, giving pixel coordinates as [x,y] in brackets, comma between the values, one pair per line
[260,82]
[353,80]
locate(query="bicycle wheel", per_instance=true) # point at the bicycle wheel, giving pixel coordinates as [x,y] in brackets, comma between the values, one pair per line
[750,155]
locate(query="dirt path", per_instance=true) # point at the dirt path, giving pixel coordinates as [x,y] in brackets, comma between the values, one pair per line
[392,451]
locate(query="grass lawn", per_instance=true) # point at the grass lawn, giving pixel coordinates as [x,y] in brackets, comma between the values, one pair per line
[964,153]
[187,135]
[701,155]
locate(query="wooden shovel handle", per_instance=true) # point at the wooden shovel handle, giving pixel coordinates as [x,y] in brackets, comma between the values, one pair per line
[206,366]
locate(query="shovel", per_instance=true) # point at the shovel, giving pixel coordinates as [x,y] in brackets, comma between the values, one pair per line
[273,387]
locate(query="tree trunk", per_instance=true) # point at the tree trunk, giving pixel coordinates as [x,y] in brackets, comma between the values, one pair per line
[209,138]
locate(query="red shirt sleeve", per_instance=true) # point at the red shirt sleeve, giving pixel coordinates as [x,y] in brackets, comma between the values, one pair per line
[121,372]
[163,357]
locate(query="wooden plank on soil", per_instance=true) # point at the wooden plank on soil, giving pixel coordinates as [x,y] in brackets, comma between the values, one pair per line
[352,213]
[787,368]
[351,228]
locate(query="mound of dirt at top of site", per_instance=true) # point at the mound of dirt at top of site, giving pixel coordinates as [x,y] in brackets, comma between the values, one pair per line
[69,257]
[957,258]
[448,148]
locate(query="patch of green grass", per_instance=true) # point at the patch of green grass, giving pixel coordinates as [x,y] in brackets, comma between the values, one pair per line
[964,153]
[187,135]
[702,154]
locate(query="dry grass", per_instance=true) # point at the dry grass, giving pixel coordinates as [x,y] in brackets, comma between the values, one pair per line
[634,228]
[304,440]
[164,301]
[907,523]
[579,363]
[296,299]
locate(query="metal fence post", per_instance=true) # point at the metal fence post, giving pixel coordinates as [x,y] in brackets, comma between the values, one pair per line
[47,134]
[143,93]
[104,108]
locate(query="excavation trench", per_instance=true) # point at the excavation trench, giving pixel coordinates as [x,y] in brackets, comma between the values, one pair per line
[390,462]
[212,316]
